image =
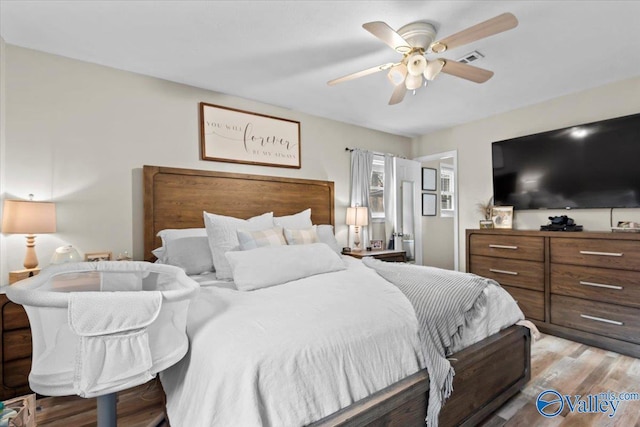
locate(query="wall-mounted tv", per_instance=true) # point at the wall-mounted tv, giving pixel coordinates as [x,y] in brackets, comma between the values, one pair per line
[594,165]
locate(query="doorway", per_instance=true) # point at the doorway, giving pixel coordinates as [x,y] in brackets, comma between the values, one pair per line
[440,235]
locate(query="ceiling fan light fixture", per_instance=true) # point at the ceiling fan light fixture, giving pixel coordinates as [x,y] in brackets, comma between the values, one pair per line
[417,39]
[413,82]
[416,64]
[433,69]
[397,74]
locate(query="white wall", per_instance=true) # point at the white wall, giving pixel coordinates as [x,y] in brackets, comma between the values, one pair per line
[473,142]
[3,260]
[79,133]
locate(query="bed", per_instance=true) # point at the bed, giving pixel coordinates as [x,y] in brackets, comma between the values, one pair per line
[487,373]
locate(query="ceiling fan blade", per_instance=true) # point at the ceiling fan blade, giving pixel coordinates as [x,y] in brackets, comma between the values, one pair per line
[465,71]
[398,94]
[496,25]
[388,35]
[361,73]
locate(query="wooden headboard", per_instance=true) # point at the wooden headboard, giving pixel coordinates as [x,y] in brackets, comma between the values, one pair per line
[176,198]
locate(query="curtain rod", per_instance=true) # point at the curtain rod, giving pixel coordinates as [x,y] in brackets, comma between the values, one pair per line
[374,152]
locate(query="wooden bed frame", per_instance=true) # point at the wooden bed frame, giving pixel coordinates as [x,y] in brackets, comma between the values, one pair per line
[488,373]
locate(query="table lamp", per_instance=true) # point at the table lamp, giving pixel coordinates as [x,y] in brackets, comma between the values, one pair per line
[30,218]
[358,216]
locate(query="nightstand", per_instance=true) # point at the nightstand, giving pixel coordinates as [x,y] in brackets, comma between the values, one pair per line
[388,255]
[16,276]
[15,342]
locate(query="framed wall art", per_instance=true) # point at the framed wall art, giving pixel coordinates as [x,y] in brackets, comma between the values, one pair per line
[236,136]
[377,244]
[429,206]
[98,256]
[429,179]
[502,216]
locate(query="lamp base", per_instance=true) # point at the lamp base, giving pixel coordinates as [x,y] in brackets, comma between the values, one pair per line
[356,238]
[30,258]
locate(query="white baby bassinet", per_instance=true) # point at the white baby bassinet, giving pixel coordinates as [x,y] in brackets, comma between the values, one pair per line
[136,304]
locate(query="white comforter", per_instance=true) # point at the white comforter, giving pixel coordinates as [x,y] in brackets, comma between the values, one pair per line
[294,353]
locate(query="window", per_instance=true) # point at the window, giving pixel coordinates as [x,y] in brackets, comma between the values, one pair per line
[376,192]
[447,190]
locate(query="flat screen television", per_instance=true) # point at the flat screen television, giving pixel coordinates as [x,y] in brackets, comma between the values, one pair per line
[594,165]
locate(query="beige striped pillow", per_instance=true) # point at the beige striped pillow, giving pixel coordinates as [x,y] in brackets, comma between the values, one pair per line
[304,236]
[260,238]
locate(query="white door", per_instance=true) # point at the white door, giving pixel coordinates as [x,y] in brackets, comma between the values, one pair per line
[408,218]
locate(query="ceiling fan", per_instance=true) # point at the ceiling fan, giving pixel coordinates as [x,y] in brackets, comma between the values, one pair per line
[415,40]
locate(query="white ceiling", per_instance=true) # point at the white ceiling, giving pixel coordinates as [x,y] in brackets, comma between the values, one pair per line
[283,52]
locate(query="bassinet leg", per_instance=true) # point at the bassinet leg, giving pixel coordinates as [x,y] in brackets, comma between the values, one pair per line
[107,413]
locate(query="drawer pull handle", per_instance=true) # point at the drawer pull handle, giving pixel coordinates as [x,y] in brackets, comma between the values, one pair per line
[600,319]
[503,247]
[601,285]
[601,253]
[494,270]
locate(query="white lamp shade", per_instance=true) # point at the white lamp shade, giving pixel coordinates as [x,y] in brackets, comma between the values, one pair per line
[416,64]
[433,69]
[25,217]
[413,82]
[358,215]
[397,74]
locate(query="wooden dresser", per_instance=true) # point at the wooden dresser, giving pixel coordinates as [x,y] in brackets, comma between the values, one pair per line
[15,349]
[584,286]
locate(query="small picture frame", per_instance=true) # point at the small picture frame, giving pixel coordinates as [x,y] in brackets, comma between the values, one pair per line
[502,216]
[98,256]
[428,179]
[429,204]
[376,245]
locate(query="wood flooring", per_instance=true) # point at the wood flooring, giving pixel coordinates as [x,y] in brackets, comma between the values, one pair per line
[141,406]
[574,369]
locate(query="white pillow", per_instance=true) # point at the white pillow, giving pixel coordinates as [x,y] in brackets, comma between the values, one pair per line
[304,236]
[270,266]
[222,232]
[185,248]
[261,238]
[159,253]
[326,235]
[295,221]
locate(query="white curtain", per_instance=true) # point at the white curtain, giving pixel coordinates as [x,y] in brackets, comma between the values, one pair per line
[361,168]
[389,198]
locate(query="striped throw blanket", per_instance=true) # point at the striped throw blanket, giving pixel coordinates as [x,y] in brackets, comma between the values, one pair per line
[443,301]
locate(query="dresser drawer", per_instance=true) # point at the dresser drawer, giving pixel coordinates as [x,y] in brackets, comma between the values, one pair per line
[16,344]
[14,316]
[613,321]
[16,373]
[530,302]
[515,247]
[511,272]
[598,284]
[621,254]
